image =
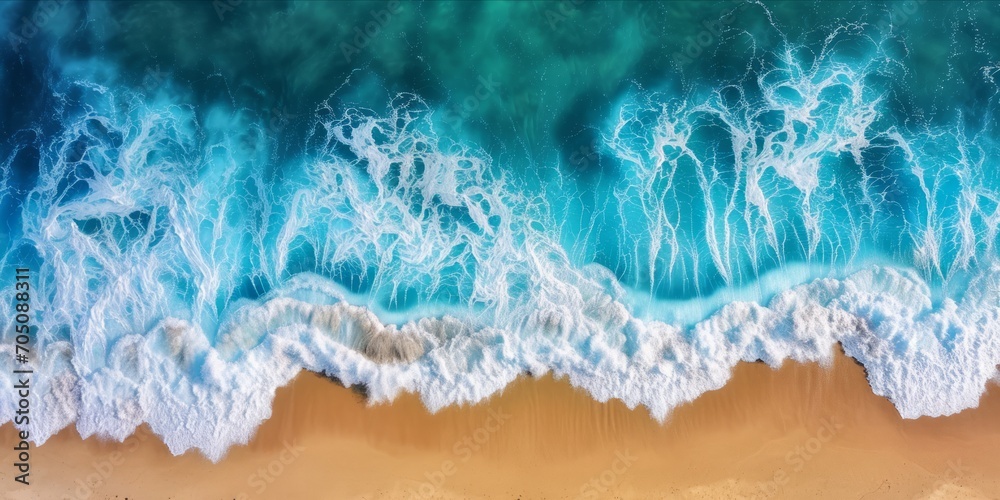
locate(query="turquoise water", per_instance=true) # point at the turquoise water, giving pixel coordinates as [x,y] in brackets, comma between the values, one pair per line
[440,196]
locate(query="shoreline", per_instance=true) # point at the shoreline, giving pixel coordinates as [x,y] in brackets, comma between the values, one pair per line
[801,430]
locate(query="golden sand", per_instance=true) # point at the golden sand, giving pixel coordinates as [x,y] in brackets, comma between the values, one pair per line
[803,431]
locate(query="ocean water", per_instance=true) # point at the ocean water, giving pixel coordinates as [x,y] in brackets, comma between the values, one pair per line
[440,197]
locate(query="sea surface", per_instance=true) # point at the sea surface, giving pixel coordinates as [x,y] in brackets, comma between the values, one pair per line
[438,197]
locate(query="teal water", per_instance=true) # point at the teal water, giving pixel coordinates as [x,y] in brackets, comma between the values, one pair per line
[441,196]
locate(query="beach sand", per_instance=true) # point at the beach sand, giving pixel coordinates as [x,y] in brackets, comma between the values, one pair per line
[802,431]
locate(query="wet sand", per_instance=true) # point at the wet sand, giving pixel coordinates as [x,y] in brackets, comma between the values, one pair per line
[802,431]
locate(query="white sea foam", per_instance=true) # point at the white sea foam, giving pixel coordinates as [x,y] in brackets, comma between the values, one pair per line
[926,360]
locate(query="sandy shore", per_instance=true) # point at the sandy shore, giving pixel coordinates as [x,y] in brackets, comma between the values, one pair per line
[803,431]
